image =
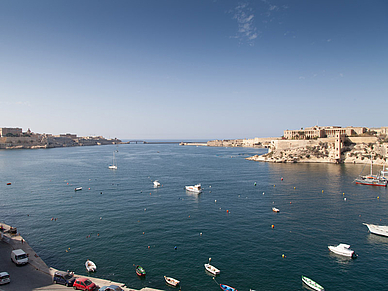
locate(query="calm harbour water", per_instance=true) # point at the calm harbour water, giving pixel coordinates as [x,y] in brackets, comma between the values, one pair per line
[129,222]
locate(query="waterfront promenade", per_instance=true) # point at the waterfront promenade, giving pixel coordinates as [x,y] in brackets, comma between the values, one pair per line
[36,275]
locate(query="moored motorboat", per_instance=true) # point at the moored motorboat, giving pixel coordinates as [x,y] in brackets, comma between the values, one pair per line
[312,284]
[90,266]
[227,288]
[274,209]
[196,188]
[156,183]
[343,250]
[140,271]
[377,229]
[171,281]
[211,269]
[78,189]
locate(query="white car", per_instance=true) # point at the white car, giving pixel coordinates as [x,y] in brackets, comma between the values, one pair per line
[4,278]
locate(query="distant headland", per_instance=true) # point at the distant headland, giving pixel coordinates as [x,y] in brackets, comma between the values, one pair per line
[15,138]
[320,144]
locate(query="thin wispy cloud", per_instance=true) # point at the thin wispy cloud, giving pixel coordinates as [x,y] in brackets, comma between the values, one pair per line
[248,20]
[247,31]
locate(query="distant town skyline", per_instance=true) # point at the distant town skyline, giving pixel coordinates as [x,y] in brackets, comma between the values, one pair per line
[207,69]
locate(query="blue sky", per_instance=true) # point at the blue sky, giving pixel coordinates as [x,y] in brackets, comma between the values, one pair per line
[195,69]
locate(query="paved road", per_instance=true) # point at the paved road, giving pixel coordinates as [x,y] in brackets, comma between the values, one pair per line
[35,276]
[22,277]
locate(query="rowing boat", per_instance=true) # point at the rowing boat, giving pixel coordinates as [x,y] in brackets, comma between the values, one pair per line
[171,281]
[312,284]
[227,288]
[211,269]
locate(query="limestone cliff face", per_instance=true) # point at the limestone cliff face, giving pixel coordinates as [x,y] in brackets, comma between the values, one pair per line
[324,152]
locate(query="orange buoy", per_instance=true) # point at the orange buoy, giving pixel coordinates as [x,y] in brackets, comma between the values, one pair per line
[227,211]
[273,226]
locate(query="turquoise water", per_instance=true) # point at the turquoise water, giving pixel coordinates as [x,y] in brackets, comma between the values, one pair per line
[123,221]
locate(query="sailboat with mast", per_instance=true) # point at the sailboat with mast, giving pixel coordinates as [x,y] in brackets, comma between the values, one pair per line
[114,163]
[372,180]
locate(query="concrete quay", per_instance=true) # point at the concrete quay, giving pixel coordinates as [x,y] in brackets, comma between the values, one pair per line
[36,275]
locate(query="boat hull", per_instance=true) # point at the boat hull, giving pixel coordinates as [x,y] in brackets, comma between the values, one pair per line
[342,252]
[140,271]
[381,230]
[171,281]
[372,180]
[227,288]
[195,189]
[211,269]
[312,284]
[90,266]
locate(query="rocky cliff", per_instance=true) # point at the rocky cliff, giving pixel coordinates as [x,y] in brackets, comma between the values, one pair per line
[352,151]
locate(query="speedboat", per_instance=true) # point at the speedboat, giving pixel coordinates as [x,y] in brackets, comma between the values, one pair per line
[343,250]
[90,266]
[156,183]
[312,284]
[227,288]
[140,271]
[377,229]
[171,281]
[211,269]
[196,188]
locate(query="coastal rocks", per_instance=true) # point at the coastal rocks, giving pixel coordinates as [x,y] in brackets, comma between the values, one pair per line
[321,152]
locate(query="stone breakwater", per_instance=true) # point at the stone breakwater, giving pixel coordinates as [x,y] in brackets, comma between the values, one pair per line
[320,151]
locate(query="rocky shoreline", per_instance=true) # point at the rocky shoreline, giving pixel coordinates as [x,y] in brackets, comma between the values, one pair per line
[38,141]
[351,152]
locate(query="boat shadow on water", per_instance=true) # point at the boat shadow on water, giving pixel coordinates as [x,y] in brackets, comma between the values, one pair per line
[377,239]
[342,259]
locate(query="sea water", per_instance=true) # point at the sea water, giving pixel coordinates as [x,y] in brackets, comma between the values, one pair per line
[120,220]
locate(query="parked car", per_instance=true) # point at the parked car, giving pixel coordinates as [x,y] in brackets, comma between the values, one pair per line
[84,284]
[4,278]
[19,257]
[110,288]
[64,278]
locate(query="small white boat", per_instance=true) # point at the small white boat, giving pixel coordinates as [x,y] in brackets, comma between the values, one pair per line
[196,188]
[78,189]
[156,183]
[274,209]
[90,266]
[377,229]
[312,284]
[343,250]
[171,281]
[211,269]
